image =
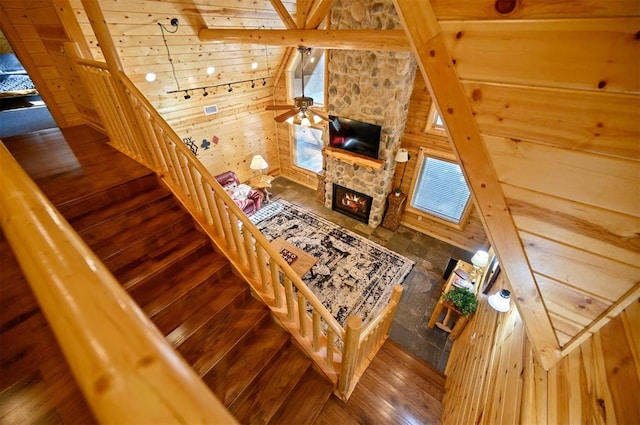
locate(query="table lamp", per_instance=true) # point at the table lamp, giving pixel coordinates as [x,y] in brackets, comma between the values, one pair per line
[479,260]
[258,164]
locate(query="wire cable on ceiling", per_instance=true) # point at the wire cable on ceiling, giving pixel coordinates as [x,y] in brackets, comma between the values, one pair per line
[174,23]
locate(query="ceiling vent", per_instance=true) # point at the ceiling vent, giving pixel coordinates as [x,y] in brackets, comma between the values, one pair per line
[211,109]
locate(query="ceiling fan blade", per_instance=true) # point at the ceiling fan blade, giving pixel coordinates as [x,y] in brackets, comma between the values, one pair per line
[288,114]
[278,107]
[319,113]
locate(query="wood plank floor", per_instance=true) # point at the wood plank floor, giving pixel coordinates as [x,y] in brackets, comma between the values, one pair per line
[397,388]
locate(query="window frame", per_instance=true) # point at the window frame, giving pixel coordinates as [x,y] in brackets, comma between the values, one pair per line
[442,156]
[432,126]
[294,147]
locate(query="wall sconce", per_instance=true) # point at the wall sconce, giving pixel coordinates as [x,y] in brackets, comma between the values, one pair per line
[402,156]
[258,164]
[500,301]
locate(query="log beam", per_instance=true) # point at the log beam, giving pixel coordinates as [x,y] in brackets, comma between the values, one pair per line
[379,40]
[427,42]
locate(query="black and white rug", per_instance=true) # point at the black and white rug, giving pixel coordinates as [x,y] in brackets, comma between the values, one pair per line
[353,275]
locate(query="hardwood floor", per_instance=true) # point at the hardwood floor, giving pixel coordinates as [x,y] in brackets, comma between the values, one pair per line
[190,294]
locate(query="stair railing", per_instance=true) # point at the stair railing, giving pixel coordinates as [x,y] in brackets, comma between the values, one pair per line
[293,304]
[126,370]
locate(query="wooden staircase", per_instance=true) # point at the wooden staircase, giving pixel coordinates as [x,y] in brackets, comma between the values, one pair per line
[190,292]
[206,312]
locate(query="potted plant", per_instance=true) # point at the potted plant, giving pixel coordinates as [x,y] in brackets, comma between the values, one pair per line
[463,299]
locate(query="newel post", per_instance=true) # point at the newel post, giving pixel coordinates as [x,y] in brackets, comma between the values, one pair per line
[349,354]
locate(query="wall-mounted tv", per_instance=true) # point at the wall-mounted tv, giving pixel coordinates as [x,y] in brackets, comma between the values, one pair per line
[354,136]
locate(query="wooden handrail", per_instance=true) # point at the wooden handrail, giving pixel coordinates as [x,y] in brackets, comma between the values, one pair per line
[118,357]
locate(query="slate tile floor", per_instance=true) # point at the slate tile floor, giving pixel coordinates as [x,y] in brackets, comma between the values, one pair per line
[423,285]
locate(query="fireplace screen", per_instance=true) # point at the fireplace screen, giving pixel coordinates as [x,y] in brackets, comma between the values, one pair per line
[349,202]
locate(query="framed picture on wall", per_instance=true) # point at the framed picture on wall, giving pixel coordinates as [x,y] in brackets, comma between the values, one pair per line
[493,270]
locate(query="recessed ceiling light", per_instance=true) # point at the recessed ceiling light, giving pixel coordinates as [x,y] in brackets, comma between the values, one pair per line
[210,70]
[254,65]
[150,77]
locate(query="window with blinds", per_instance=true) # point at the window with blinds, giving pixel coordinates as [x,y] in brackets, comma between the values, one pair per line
[441,190]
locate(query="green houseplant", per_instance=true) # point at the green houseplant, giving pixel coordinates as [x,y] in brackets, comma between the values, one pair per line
[463,299]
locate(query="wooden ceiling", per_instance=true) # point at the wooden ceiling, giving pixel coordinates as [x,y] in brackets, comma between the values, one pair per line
[541,100]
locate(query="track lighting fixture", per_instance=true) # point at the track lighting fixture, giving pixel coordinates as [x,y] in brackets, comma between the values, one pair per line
[229,87]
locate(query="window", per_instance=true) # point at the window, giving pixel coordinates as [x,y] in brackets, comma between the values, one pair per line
[434,122]
[314,76]
[307,148]
[441,190]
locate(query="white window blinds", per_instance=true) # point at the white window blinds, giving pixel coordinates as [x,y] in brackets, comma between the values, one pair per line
[441,190]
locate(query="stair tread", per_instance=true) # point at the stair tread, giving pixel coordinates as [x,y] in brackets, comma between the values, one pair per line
[418,366]
[203,300]
[135,200]
[130,254]
[154,297]
[306,400]
[263,398]
[235,372]
[208,344]
[85,198]
[142,231]
[126,219]
[157,262]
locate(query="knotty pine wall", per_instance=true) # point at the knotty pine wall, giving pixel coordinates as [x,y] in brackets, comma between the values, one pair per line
[242,128]
[472,237]
[37,35]
[493,377]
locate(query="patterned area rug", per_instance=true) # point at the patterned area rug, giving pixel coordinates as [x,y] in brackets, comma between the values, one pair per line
[353,275]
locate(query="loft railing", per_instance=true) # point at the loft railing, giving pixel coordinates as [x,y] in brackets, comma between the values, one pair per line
[125,368]
[136,129]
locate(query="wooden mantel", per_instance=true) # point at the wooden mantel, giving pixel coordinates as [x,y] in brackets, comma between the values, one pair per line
[353,158]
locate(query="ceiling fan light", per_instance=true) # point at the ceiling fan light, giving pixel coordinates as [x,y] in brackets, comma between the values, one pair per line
[290,120]
[316,119]
[305,122]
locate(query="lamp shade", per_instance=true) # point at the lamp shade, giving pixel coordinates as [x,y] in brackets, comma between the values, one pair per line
[402,155]
[258,163]
[500,301]
[480,259]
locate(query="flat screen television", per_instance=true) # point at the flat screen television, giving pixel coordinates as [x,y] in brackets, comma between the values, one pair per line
[354,136]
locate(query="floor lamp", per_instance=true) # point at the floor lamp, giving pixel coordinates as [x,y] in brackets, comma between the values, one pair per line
[403,157]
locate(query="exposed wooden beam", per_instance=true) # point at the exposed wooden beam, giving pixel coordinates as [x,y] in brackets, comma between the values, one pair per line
[302,10]
[318,14]
[379,40]
[436,65]
[283,13]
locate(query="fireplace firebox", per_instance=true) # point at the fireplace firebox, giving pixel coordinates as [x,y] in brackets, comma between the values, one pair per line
[351,203]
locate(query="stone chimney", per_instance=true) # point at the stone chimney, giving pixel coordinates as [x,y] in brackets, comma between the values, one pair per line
[373,87]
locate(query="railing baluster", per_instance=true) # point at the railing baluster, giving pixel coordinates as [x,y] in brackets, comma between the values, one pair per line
[262,266]
[251,253]
[331,345]
[288,289]
[215,212]
[222,210]
[317,330]
[241,252]
[275,283]
[302,313]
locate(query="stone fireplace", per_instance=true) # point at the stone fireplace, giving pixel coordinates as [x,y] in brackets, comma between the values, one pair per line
[373,87]
[349,202]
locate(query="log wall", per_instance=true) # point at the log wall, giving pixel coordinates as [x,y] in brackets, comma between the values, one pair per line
[493,376]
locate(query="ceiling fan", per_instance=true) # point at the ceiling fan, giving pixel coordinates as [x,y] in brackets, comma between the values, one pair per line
[300,112]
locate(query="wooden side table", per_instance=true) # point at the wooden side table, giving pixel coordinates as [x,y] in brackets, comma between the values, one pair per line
[262,183]
[451,311]
[394,211]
